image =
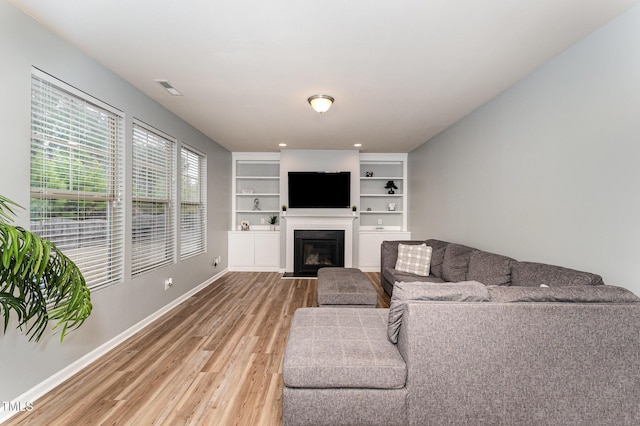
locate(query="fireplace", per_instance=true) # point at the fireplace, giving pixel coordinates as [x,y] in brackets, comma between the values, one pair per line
[315,248]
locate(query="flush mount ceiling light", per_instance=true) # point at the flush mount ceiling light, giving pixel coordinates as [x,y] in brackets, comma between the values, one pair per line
[320,103]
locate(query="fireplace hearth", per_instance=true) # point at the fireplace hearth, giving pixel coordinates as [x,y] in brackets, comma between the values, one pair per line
[315,249]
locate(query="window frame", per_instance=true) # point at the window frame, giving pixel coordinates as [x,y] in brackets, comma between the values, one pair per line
[198,244]
[57,127]
[153,262]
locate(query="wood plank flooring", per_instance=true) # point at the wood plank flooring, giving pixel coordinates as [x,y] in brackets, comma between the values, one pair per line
[214,360]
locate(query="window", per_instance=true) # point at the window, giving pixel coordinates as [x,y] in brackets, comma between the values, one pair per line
[77,178]
[193,225]
[153,241]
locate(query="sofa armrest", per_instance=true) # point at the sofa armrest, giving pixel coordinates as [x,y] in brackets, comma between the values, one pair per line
[521,363]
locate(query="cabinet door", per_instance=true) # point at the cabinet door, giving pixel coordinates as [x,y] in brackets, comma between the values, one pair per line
[370,244]
[241,249]
[267,249]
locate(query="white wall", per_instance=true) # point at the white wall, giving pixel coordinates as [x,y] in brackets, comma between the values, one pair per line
[23,44]
[302,160]
[549,170]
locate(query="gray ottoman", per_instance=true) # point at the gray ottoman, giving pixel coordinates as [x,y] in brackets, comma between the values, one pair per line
[340,368]
[342,287]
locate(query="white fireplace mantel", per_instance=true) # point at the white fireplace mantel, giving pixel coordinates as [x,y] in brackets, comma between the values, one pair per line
[321,222]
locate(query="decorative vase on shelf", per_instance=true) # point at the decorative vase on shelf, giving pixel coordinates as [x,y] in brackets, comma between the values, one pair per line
[391,186]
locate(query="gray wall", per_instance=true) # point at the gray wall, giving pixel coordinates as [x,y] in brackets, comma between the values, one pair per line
[549,170]
[24,43]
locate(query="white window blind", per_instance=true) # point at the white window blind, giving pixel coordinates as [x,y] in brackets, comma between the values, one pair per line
[193,225]
[77,178]
[153,240]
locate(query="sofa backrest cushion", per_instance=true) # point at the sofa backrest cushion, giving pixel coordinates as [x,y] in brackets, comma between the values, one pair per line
[489,268]
[456,262]
[532,274]
[573,294]
[470,291]
[437,256]
[389,252]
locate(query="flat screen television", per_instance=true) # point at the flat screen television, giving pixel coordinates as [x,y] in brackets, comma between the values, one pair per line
[317,190]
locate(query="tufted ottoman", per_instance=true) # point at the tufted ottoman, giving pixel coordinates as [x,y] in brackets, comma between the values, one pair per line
[339,368]
[345,287]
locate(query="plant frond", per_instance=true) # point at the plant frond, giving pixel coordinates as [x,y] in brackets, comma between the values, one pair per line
[39,283]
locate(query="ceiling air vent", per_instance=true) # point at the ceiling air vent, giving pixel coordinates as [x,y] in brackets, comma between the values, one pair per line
[168,87]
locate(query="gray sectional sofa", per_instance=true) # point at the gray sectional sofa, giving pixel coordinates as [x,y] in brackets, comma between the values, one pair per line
[451,262]
[469,353]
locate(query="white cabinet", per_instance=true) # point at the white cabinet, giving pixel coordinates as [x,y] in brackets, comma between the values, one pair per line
[254,251]
[369,247]
[256,189]
[379,209]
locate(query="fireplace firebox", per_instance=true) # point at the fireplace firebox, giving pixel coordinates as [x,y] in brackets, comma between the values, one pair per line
[315,249]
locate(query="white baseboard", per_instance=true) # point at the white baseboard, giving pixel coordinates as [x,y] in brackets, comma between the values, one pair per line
[58,378]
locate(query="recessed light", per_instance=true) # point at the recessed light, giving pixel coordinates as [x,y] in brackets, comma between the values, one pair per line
[357,145]
[282,144]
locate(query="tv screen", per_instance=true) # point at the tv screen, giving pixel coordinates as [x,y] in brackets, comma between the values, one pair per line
[319,189]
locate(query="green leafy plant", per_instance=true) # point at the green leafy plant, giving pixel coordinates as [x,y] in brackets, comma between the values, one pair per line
[37,281]
[273,219]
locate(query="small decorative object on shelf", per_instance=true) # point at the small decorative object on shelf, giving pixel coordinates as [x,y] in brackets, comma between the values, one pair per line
[354,208]
[244,225]
[284,208]
[247,191]
[368,174]
[391,186]
[392,207]
[368,209]
[273,220]
[256,204]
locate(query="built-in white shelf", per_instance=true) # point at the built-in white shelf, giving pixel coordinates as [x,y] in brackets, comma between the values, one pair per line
[258,175]
[374,195]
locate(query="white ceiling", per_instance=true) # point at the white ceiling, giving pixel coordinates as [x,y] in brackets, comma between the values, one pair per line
[401,71]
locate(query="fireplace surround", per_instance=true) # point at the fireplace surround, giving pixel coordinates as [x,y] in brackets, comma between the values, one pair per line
[317,222]
[317,248]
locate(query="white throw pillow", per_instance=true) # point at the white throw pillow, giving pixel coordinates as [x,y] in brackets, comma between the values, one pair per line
[414,258]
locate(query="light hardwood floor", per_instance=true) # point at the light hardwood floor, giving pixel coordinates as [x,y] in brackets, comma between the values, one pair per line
[214,360]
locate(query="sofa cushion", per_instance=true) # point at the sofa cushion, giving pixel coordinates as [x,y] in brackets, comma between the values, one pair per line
[456,262]
[489,268]
[469,291]
[576,294]
[342,348]
[393,275]
[437,256]
[414,259]
[532,274]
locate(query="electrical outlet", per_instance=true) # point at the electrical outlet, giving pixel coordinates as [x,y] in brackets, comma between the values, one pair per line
[168,283]
[217,260]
